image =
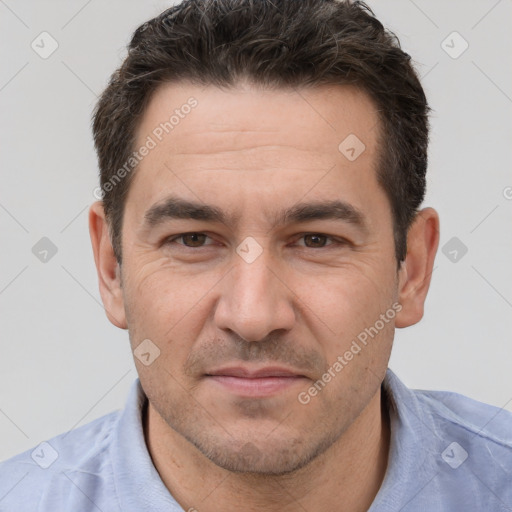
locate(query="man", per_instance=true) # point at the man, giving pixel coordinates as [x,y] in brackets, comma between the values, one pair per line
[262,165]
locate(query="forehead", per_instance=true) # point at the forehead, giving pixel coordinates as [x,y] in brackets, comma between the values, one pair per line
[212,142]
[317,118]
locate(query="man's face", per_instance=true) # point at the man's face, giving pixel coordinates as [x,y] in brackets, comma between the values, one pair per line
[250,309]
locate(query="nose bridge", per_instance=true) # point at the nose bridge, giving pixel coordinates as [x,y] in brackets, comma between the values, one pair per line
[252,282]
[254,301]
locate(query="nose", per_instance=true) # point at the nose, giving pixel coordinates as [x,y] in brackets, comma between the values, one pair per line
[255,300]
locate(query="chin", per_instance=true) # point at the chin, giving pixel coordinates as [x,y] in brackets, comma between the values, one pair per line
[262,457]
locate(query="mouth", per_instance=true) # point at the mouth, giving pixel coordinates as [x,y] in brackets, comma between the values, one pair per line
[261,382]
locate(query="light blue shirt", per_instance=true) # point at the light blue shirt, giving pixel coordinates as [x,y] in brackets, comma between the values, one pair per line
[448,453]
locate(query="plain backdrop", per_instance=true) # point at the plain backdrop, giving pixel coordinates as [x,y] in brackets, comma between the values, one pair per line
[63,364]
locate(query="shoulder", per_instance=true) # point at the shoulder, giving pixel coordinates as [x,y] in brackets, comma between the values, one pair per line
[472,445]
[461,413]
[56,468]
[446,449]
[446,413]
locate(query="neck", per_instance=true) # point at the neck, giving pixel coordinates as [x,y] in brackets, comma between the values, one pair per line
[348,475]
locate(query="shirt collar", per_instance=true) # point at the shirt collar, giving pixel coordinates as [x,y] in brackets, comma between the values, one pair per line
[414,446]
[138,484]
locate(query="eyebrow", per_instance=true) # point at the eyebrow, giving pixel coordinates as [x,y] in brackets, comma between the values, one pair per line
[178,208]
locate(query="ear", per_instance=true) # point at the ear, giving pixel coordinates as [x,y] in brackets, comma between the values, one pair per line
[109,272]
[416,271]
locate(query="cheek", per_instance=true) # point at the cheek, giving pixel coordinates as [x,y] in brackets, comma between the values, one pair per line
[351,298]
[167,307]
[358,344]
[351,307]
[156,292]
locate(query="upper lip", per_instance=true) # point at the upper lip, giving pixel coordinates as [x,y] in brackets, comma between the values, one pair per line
[247,373]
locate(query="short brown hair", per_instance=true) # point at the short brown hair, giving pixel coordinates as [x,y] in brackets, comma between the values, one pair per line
[275,43]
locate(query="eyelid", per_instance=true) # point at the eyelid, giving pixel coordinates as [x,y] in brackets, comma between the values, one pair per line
[173,238]
[333,239]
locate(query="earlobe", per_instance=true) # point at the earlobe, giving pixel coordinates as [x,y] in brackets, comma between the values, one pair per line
[107,267]
[416,271]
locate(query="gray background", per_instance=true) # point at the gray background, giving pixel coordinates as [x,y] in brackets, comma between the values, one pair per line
[63,364]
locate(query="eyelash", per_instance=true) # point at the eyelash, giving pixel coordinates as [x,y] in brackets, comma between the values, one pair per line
[334,240]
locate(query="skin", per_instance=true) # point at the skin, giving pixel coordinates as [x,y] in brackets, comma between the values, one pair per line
[299,305]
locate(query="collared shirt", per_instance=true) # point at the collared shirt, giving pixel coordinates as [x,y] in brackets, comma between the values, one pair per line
[447,453]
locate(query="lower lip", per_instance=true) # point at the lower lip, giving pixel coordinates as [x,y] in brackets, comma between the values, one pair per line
[256,387]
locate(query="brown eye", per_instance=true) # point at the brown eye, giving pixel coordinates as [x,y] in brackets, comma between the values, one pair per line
[315,240]
[193,239]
